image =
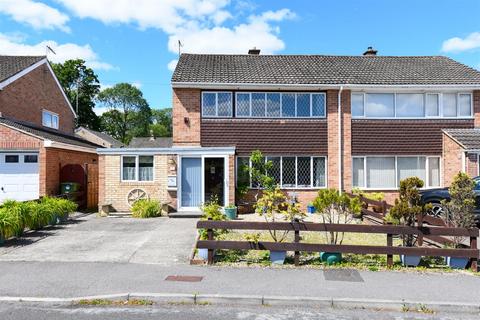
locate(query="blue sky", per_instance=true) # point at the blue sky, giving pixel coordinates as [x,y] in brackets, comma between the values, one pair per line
[136,40]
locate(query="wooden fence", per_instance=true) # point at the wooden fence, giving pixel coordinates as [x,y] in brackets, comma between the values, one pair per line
[389,230]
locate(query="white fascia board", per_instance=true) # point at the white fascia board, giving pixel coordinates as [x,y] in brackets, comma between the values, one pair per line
[172,150]
[66,146]
[359,87]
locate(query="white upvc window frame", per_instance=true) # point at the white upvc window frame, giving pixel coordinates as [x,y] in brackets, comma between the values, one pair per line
[425,116]
[137,168]
[426,186]
[296,187]
[216,104]
[52,116]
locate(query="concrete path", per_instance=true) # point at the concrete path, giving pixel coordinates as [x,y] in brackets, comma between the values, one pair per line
[89,238]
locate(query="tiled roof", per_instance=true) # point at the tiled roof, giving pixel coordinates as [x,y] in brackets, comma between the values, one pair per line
[148,142]
[49,134]
[114,142]
[468,138]
[11,65]
[319,69]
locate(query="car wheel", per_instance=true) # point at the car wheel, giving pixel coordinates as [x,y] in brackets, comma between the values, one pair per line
[436,211]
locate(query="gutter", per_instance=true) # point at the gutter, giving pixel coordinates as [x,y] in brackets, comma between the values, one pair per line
[340,151]
[172,150]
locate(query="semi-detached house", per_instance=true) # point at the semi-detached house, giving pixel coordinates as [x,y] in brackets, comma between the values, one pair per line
[341,122]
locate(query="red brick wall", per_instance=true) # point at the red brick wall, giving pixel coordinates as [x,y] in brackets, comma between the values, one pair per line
[15,140]
[452,159]
[25,98]
[186,106]
[347,140]
[476,107]
[332,127]
[472,164]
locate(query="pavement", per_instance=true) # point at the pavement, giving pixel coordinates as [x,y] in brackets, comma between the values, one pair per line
[130,258]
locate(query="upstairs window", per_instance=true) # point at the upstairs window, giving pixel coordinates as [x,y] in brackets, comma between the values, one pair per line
[49,119]
[217,104]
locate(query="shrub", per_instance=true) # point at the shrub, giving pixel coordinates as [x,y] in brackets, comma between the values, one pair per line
[7,224]
[19,213]
[211,211]
[146,209]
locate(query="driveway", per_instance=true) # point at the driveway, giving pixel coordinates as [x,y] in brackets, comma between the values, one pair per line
[89,238]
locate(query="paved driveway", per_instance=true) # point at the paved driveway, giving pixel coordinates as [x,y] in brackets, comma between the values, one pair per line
[123,240]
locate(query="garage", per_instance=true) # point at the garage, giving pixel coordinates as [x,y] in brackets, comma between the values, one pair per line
[19,178]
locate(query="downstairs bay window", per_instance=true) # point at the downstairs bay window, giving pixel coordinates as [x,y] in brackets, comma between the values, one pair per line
[385,172]
[289,172]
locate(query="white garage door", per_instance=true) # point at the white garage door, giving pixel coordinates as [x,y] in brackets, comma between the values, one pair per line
[18,176]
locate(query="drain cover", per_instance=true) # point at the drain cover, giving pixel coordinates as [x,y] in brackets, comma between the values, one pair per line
[342,275]
[184,278]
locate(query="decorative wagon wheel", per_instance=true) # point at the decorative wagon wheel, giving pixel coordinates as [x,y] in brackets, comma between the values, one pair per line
[135,195]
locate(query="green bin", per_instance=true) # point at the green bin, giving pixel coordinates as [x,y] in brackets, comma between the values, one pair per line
[69,187]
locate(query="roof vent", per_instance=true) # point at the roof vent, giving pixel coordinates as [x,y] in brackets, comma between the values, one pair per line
[370,52]
[254,51]
[152,136]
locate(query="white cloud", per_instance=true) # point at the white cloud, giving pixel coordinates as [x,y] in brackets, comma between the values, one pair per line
[472,41]
[100,110]
[36,14]
[172,64]
[137,84]
[65,51]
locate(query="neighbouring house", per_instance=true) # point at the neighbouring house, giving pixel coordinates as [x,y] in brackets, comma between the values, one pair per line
[99,138]
[151,142]
[364,121]
[38,148]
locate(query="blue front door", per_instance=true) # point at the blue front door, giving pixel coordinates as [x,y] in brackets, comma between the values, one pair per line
[191,182]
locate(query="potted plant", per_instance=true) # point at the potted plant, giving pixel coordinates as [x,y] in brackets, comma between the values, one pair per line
[406,209]
[211,211]
[459,213]
[231,212]
[335,207]
[273,206]
[310,208]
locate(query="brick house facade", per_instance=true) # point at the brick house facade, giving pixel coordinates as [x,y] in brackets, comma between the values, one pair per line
[37,124]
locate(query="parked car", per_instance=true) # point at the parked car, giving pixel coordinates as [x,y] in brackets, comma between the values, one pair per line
[435,196]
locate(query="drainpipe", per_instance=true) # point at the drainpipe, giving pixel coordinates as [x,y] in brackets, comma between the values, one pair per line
[340,160]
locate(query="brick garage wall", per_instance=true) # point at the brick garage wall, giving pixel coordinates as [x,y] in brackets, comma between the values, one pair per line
[113,191]
[25,98]
[52,159]
[186,105]
[452,162]
[472,164]
[15,140]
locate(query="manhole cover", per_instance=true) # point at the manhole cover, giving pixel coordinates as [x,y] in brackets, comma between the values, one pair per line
[184,278]
[342,275]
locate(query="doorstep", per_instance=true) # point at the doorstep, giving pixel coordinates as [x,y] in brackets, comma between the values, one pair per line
[185,214]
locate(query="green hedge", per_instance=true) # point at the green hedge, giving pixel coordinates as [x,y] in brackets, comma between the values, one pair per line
[16,216]
[146,209]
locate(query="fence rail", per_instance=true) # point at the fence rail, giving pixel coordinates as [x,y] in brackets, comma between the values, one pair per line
[471,253]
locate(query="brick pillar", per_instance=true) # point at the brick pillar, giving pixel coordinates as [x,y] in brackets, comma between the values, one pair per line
[231,178]
[347,140]
[186,117]
[42,171]
[332,128]
[476,107]
[101,181]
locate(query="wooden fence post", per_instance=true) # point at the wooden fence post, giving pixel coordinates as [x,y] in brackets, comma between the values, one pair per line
[210,251]
[297,240]
[473,261]
[384,208]
[420,226]
[389,244]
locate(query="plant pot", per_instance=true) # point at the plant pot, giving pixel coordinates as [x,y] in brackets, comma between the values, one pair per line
[310,209]
[2,239]
[277,257]
[410,261]
[231,213]
[456,263]
[203,254]
[331,257]
[63,218]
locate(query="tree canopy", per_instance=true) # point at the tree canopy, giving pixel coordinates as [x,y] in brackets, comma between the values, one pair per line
[161,122]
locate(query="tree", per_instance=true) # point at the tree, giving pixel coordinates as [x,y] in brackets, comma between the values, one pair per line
[129,114]
[73,74]
[161,122]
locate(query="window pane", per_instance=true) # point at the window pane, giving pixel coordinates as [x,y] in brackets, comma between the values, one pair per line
[357,105]
[128,168]
[319,172]
[243,104]
[224,104]
[318,105]
[381,172]
[303,172]
[145,168]
[464,105]
[288,105]
[434,172]
[208,104]
[288,172]
[30,158]
[410,105]
[273,105]
[47,119]
[432,105]
[275,170]
[358,172]
[243,177]
[55,122]
[449,105]
[303,105]
[379,105]
[11,158]
[258,104]
[410,167]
